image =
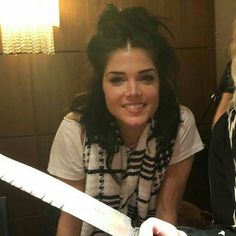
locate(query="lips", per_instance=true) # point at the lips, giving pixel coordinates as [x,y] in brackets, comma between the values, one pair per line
[134,108]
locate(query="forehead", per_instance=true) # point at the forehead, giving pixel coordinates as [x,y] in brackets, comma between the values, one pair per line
[131,58]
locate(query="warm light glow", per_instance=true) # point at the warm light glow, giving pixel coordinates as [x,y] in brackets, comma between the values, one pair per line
[26,25]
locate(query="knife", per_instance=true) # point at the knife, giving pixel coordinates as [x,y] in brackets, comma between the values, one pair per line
[65,197]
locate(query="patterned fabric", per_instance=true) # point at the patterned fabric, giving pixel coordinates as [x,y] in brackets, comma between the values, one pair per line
[141,170]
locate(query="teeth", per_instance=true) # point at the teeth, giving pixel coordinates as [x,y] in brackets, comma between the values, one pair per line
[134,106]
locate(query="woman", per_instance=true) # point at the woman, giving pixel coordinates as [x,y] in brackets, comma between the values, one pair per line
[222,171]
[222,160]
[128,142]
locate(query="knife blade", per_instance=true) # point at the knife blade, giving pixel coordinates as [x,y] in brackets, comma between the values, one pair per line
[65,197]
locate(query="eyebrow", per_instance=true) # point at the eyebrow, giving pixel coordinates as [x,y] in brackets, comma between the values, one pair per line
[140,72]
[114,72]
[147,70]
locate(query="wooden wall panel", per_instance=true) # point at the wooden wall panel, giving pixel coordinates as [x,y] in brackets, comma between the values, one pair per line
[93,10]
[95,7]
[185,18]
[35,89]
[20,148]
[55,81]
[191,21]
[74,28]
[140,3]
[21,207]
[24,226]
[196,83]
[19,203]
[16,106]
[0,41]
[44,144]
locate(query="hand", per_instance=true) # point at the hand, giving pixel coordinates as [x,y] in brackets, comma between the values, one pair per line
[157,227]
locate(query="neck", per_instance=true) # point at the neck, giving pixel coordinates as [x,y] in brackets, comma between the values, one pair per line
[131,135]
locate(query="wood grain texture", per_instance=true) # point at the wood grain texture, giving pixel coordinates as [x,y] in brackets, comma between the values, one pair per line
[55,81]
[74,29]
[35,89]
[196,81]
[44,144]
[20,148]
[191,22]
[26,226]
[16,105]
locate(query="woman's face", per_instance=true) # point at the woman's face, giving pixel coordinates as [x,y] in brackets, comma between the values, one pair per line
[131,87]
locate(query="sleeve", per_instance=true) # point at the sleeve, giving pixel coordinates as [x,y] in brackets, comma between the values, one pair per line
[188,141]
[66,156]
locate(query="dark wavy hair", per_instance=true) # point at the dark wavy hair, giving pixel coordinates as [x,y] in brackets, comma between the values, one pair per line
[114,29]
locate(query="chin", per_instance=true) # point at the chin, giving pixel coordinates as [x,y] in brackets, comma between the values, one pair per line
[140,123]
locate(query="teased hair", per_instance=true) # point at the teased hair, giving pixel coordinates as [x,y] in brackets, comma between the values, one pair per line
[232,103]
[114,29]
[233,65]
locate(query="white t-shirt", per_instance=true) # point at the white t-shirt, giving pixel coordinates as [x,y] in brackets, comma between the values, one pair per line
[66,157]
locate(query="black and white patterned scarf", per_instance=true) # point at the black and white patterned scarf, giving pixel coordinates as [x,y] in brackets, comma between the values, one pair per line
[141,169]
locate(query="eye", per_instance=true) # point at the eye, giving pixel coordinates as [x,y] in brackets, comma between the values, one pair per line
[148,78]
[116,80]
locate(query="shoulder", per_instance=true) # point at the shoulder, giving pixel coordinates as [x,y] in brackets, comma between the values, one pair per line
[219,142]
[184,111]
[70,125]
[71,119]
[187,121]
[221,126]
[186,116]
[72,116]
[188,140]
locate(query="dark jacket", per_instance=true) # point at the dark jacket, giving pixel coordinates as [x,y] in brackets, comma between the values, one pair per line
[222,174]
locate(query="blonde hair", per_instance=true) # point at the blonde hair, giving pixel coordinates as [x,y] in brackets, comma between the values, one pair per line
[232,104]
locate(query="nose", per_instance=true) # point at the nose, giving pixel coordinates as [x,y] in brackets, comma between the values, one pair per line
[133,88]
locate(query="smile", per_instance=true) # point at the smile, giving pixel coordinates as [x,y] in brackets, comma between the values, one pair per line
[134,107]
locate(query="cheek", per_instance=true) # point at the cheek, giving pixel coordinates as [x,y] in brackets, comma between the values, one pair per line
[111,97]
[155,102]
[153,96]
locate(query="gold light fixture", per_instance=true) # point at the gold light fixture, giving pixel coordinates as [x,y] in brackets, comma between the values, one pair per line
[27,25]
